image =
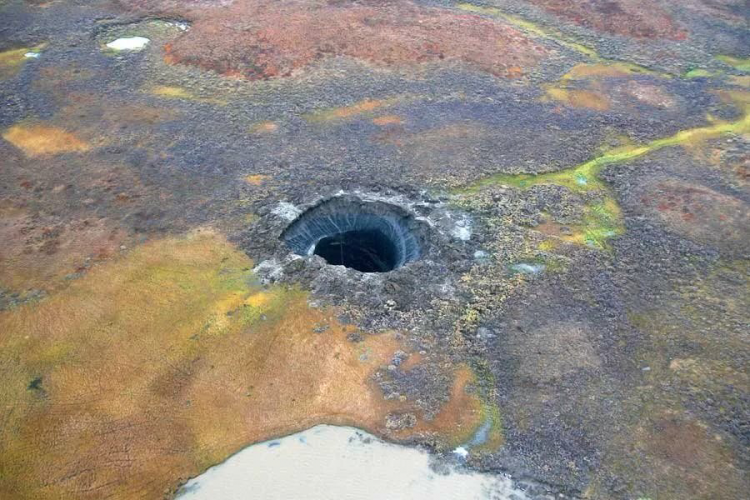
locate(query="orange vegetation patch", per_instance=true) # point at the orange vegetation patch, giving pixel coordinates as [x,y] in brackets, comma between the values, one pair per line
[459,417]
[360,107]
[345,112]
[551,228]
[256,179]
[162,362]
[261,39]
[600,86]
[384,121]
[585,71]
[40,3]
[264,127]
[40,140]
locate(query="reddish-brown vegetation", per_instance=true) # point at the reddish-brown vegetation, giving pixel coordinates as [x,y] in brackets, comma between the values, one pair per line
[631,18]
[261,39]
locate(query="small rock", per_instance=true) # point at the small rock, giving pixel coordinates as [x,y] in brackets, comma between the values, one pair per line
[355,337]
[399,421]
[399,357]
[485,333]
[320,327]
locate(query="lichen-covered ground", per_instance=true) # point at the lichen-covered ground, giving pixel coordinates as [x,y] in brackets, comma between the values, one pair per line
[578,319]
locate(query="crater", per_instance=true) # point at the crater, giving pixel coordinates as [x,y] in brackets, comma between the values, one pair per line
[367,236]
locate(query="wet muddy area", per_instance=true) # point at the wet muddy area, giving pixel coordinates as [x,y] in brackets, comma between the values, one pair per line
[512,234]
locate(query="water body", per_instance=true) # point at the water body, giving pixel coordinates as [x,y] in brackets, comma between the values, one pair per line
[343,463]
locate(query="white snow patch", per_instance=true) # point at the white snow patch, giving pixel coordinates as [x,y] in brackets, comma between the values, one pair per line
[32,55]
[461,452]
[286,211]
[133,43]
[462,229]
[342,463]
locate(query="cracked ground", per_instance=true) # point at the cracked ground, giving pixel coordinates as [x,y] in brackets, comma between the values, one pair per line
[578,171]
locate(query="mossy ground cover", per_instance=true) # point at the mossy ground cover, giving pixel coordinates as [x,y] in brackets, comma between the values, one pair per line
[162,362]
[602,218]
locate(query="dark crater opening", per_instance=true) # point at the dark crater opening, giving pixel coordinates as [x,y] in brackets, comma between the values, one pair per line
[366,250]
[371,237]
